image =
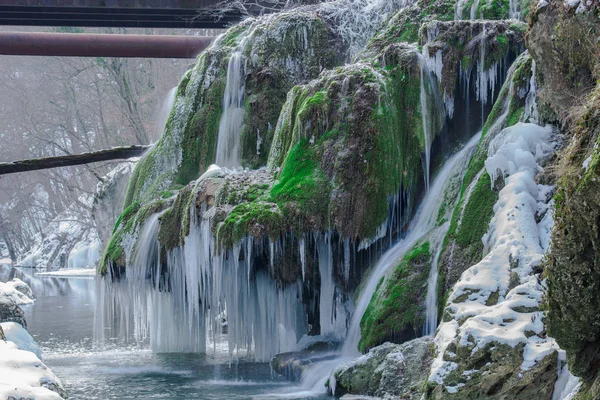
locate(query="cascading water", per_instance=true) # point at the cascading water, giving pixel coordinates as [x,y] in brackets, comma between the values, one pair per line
[165,111]
[423,222]
[431,306]
[228,141]
[514,10]
[425,118]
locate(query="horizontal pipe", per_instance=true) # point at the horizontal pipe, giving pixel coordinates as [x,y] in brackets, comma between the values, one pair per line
[101,45]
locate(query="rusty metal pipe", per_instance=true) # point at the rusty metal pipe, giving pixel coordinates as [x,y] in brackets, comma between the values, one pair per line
[101,45]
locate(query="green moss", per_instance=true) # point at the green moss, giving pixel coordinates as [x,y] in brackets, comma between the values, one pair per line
[515,117]
[302,182]
[396,310]
[231,37]
[477,213]
[175,221]
[200,135]
[494,9]
[262,218]
[502,40]
[126,214]
[409,34]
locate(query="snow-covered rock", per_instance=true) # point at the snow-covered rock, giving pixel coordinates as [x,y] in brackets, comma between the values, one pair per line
[22,288]
[23,375]
[18,335]
[492,339]
[13,294]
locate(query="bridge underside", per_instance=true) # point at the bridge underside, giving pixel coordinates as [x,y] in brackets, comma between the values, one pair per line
[121,13]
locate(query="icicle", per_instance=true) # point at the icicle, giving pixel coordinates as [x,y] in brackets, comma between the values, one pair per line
[346,259]
[327,290]
[531,108]
[302,246]
[203,288]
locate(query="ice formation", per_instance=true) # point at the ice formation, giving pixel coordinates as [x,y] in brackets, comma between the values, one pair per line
[183,311]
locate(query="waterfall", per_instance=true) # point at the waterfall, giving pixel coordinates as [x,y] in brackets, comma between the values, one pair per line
[431,306]
[232,118]
[165,111]
[474,8]
[514,11]
[426,127]
[423,222]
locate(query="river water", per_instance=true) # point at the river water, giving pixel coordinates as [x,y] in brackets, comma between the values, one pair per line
[62,321]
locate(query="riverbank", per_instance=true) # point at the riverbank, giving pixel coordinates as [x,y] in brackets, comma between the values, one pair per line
[23,374]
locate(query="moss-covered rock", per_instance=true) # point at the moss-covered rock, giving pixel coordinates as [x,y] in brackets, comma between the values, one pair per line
[117,250]
[279,51]
[386,371]
[396,312]
[493,372]
[569,95]
[348,141]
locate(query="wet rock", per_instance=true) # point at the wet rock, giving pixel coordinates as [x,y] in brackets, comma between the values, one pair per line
[292,365]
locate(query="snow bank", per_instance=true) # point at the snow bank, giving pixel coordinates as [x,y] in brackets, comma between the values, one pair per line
[515,244]
[70,272]
[21,338]
[22,373]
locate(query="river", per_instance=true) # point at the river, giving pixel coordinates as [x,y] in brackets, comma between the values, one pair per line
[62,321]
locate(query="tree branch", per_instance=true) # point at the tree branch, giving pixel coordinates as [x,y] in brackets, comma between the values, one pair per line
[116,153]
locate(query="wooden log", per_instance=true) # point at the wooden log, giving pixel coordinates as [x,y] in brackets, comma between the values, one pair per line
[116,153]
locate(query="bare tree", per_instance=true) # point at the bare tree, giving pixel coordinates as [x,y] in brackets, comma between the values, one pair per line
[59,107]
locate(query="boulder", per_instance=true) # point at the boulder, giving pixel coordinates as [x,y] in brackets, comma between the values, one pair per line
[386,371]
